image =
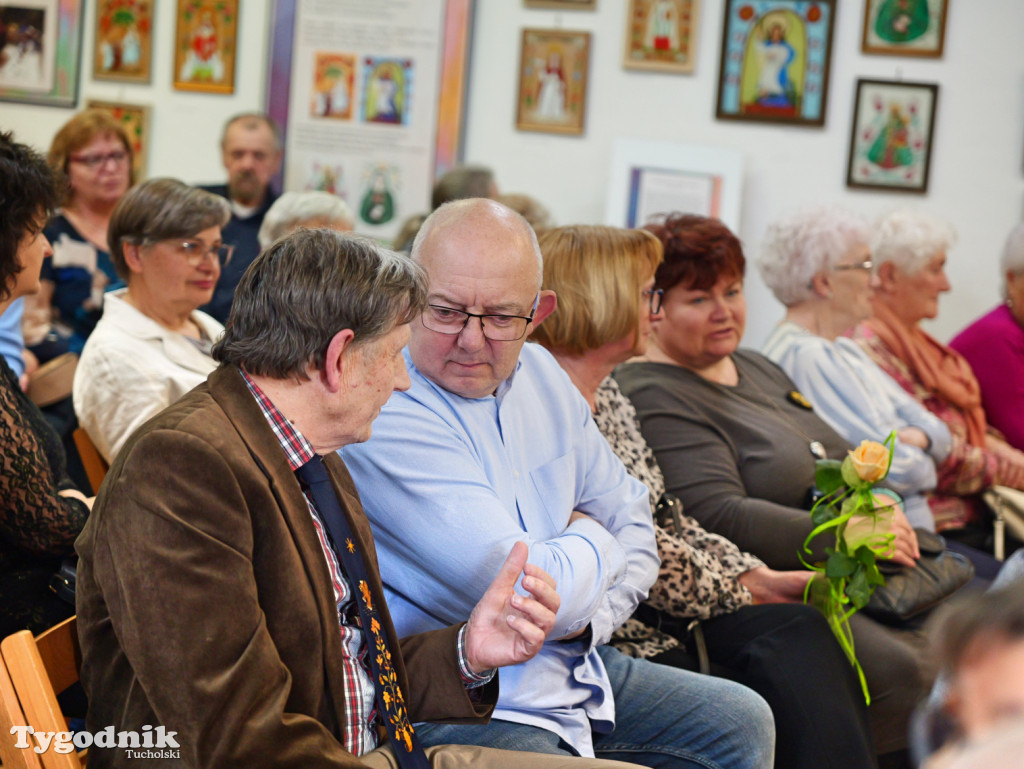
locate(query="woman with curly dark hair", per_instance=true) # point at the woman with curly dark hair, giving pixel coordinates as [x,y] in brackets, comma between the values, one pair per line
[41,512]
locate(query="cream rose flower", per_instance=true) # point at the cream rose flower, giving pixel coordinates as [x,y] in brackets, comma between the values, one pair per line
[870,460]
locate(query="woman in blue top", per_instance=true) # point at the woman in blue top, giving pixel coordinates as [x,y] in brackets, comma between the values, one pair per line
[95,154]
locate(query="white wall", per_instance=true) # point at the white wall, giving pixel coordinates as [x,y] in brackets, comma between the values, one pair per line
[976,175]
[185,127]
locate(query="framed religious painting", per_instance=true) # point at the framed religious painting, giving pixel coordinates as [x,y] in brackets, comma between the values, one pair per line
[661,35]
[123,41]
[205,45]
[40,51]
[775,61]
[905,27]
[134,118]
[552,93]
[892,135]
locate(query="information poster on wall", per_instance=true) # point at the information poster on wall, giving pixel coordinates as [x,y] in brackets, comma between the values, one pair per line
[363,100]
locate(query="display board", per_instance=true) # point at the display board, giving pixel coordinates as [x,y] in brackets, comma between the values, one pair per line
[370,97]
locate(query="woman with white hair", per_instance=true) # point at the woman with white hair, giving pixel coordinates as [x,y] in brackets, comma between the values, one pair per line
[818,263]
[312,210]
[909,251]
[994,346]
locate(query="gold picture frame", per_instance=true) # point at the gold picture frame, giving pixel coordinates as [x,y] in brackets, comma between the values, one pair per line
[123,41]
[552,94]
[205,45]
[661,35]
[134,118]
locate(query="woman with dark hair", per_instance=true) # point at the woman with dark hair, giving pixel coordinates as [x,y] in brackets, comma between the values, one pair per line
[94,154]
[41,513]
[707,589]
[737,443]
[153,344]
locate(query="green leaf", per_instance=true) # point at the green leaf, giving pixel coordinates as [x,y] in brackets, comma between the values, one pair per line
[822,514]
[828,475]
[850,477]
[840,565]
[866,556]
[859,590]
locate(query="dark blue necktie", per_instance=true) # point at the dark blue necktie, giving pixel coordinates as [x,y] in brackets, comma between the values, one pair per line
[390,702]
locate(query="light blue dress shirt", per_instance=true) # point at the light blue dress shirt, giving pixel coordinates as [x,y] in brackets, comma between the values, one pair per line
[11,341]
[861,402]
[451,483]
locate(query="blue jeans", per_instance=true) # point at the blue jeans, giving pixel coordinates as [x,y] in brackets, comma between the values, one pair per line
[664,717]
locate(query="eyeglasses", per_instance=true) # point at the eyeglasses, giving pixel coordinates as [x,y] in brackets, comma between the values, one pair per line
[497,328]
[654,298]
[196,252]
[93,162]
[867,265]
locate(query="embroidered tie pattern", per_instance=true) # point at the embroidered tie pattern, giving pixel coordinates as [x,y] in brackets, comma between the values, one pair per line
[390,701]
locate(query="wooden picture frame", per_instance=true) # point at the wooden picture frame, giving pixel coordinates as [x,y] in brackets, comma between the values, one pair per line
[905,27]
[892,135]
[775,61]
[661,35]
[42,65]
[134,118]
[123,41]
[562,5]
[552,93]
[205,45]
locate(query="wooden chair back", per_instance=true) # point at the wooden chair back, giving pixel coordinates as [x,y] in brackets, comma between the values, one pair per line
[40,668]
[95,465]
[12,715]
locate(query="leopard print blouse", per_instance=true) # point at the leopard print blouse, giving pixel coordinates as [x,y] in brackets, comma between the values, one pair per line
[699,570]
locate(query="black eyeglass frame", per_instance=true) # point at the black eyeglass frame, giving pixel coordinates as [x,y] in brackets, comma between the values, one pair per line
[655,298]
[481,316]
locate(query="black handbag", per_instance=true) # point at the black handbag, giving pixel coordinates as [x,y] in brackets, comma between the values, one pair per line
[910,591]
[63,582]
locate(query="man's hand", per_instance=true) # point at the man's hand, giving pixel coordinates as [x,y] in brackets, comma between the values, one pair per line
[770,586]
[506,628]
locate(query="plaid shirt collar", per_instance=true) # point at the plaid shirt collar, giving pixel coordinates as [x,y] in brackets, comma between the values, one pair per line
[296,447]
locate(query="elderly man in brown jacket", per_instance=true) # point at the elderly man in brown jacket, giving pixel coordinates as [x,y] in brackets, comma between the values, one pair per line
[218,597]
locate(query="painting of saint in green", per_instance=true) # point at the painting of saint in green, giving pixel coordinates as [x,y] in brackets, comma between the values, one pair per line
[892,147]
[900,21]
[774,66]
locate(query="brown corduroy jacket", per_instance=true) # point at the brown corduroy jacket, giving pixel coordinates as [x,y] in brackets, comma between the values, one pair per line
[205,604]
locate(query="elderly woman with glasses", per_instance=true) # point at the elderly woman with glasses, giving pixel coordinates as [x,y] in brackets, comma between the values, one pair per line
[909,250]
[153,344]
[94,153]
[818,263]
